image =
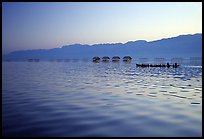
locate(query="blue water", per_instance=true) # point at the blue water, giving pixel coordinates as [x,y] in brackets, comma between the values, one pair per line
[100,99]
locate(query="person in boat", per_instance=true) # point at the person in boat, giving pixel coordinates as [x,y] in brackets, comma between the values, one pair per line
[175,65]
[168,65]
[158,65]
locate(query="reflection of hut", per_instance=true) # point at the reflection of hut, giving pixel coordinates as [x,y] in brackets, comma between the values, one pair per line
[105,59]
[127,59]
[115,58]
[96,59]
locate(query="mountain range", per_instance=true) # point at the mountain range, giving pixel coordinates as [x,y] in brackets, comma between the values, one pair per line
[183,46]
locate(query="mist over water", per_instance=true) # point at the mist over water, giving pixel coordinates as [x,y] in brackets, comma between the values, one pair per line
[82,98]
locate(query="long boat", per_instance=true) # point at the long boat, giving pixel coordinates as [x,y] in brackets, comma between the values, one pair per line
[157,65]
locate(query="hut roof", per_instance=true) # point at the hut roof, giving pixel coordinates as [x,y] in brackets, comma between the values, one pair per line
[127,57]
[96,58]
[116,57]
[105,57]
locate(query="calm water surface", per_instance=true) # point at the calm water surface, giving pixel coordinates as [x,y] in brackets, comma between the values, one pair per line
[100,99]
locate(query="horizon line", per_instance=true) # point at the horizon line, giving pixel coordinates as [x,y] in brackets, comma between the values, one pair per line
[105,43]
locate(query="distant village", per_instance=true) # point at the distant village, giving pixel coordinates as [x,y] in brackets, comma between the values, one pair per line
[140,62]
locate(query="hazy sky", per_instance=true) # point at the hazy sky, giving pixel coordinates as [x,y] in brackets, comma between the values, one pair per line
[47,25]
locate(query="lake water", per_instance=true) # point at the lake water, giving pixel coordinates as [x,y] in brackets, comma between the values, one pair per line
[100,99]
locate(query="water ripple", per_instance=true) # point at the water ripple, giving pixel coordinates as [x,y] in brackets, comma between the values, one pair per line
[80,98]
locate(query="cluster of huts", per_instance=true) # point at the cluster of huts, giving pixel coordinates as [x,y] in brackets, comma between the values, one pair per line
[114,59]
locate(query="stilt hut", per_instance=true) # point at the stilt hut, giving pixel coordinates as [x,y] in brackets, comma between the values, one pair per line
[105,59]
[127,58]
[115,59]
[96,59]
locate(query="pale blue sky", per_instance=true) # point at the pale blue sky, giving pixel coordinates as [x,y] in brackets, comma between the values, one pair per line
[48,25]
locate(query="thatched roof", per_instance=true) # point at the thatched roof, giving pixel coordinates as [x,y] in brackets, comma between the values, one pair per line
[105,57]
[96,58]
[116,57]
[127,57]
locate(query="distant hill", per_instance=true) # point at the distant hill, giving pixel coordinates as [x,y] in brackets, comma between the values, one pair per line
[183,46]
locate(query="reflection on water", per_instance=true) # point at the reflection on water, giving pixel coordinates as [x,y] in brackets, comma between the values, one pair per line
[100,99]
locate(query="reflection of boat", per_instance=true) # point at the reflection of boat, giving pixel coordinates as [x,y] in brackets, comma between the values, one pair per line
[96,59]
[158,65]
